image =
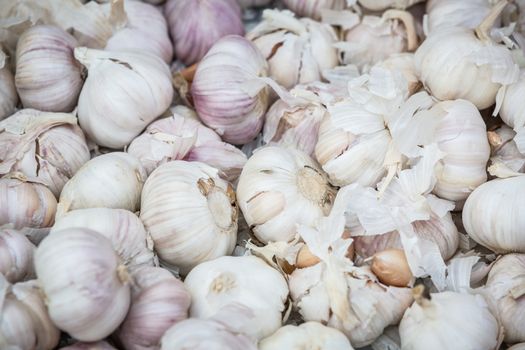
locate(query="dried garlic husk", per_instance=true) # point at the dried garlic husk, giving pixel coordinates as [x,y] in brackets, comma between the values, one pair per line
[8,95]
[279,188]
[504,149]
[85,285]
[101,345]
[297,50]
[195,26]
[313,9]
[190,213]
[404,62]
[484,208]
[229,280]
[124,92]
[308,335]
[379,5]
[44,146]
[442,14]
[506,285]
[16,255]
[158,301]
[117,178]
[123,228]
[221,92]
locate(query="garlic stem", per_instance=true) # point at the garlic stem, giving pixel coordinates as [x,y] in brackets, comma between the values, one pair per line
[483,30]
[408,21]
[118,16]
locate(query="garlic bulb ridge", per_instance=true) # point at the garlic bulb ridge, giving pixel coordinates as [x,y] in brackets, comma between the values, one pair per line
[16,256]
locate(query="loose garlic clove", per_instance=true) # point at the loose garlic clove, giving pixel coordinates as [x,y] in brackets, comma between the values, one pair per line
[47,76]
[190,213]
[313,9]
[443,14]
[101,345]
[379,5]
[391,267]
[141,90]
[305,258]
[86,287]
[16,256]
[8,95]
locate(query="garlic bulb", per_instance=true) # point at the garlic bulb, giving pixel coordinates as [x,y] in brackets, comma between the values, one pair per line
[443,14]
[461,63]
[123,228]
[510,112]
[379,5]
[8,95]
[504,149]
[146,29]
[506,285]
[195,26]
[280,188]
[117,178]
[228,159]
[46,146]
[313,9]
[297,50]
[190,213]
[486,206]
[404,62]
[449,320]
[16,256]
[26,203]
[220,92]
[101,345]
[86,288]
[158,301]
[141,90]
[307,335]
[228,280]
[47,76]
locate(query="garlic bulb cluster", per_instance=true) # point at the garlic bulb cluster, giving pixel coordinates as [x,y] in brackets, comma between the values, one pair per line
[229,280]
[86,288]
[195,26]
[442,14]
[158,301]
[221,94]
[8,95]
[505,284]
[297,50]
[117,178]
[313,9]
[101,345]
[47,76]
[44,146]
[141,90]
[190,213]
[504,149]
[16,256]
[379,5]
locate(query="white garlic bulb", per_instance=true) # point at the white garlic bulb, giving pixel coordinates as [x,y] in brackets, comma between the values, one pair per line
[443,14]
[190,213]
[158,301]
[195,26]
[8,95]
[86,286]
[16,256]
[306,335]
[220,92]
[123,228]
[48,147]
[141,90]
[313,9]
[510,112]
[229,280]
[504,149]
[379,5]
[280,188]
[404,62]
[505,284]
[101,345]
[297,50]
[449,320]
[47,76]
[117,179]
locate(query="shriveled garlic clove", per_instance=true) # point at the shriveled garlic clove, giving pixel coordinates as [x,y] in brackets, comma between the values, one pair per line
[85,285]
[47,76]
[313,9]
[117,179]
[442,14]
[379,5]
[141,90]
[8,95]
[16,256]
[101,345]
[195,26]
[190,213]
[391,267]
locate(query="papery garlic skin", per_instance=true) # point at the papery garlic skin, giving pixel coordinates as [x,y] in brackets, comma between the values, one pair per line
[379,5]
[190,213]
[47,76]
[8,95]
[86,287]
[124,92]
[510,112]
[101,345]
[16,256]
[219,89]
[505,150]
[306,335]
[112,180]
[443,14]
[313,9]
[195,26]
[484,208]
[404,62]
[280,188]
[229,280]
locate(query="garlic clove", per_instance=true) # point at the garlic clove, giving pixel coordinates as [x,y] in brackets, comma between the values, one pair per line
[391,267]
[8,94]
[305,258]
[16,256]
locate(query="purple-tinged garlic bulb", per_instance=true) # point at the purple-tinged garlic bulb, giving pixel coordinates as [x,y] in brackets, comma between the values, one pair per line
[313,8]
[8,95]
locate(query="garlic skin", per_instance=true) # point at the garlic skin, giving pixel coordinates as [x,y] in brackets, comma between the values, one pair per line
[117,179]
[229,280]
[280,188]
[235,114]
[101,345]
[8,95]
[505,150]
[47,76]
[443,14]
[195,26]
[228,159]
[313,9]
[86,287]
[505,284]
[141,90]
[379,5]
[510,112]
[404,62]
[158,301]
[48,147]
[190,213]
[429,324]
[16,256]
[308,335]
[487,204]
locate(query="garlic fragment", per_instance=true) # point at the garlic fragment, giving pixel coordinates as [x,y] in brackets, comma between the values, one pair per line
[504,149]
[16,256]
[8,95]
[101,345]
[391,268]
[379,5]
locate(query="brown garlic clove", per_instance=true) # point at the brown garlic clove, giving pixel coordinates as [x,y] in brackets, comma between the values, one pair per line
[391,267]
[305,258]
